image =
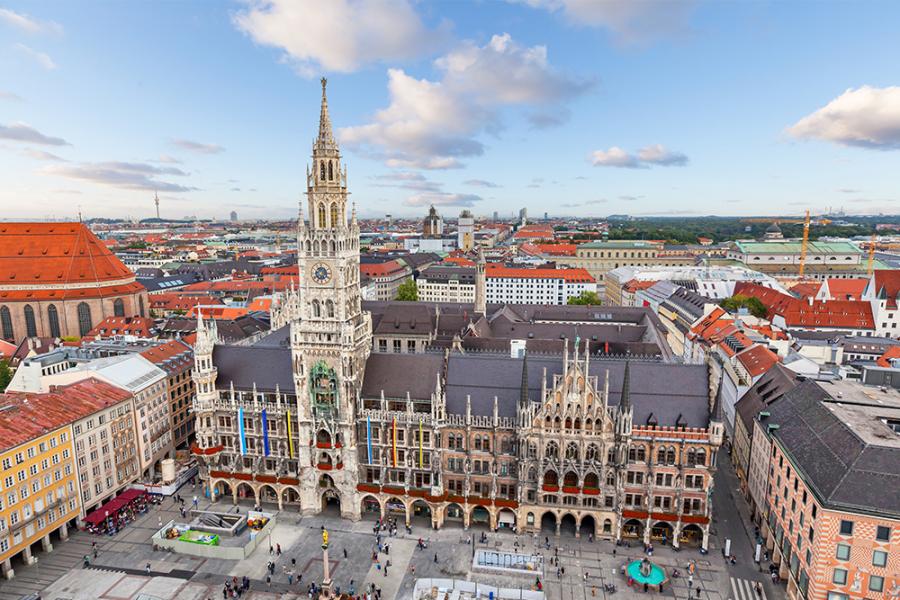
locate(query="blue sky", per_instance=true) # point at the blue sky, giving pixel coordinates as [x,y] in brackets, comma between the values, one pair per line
[565,106]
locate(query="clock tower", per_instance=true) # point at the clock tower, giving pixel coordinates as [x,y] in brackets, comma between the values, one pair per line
[332,338]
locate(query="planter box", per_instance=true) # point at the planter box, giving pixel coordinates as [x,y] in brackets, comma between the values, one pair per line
[550,488]
[591,491]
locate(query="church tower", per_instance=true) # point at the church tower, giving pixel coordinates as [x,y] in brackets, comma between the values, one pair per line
[332,338]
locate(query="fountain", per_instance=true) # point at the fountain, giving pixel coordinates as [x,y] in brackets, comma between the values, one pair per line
[643,571]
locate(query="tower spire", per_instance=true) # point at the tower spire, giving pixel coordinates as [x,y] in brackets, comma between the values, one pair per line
[523,387]
[325,135]
[625,402]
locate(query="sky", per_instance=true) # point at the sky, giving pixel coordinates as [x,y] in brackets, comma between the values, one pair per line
[571,107]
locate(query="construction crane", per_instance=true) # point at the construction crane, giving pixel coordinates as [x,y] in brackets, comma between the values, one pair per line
[804,244]
[871,266]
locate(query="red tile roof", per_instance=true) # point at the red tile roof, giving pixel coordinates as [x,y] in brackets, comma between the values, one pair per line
[796,312]
[174,356]
[557,249]
[892,353]
[570,275]
[137,326]
[174,301]
[807,289]
[847,289]
[27,415]
[634,285]
[381,269]
[887,286]
[530,232]
[53,254]
[757,360]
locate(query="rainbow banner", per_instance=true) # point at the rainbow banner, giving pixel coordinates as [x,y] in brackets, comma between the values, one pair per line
[241,434]
[394,457]
[290,435]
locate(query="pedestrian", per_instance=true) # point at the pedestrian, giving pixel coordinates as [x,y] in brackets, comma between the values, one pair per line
[345,553]
[413,568]
[698,591]
[271,549]
[593,591]
[196,501]
[646,587]
[435,557]
[268,581]
[290,577]
[278,549]
[87,561]
[293,562]
[148,568]
[758,588]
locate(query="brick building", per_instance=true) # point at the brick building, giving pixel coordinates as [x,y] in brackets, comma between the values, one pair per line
[59,279]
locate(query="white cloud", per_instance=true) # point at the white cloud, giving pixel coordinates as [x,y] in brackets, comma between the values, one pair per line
[442,199]
[198,147]
[169,159]
[629,20]
[656,154]
[481,183]
[9,96]
[42,155]
[337,35]
[40,58]
[122,175]
[434,124]
[22,132]
[27,23]
[868,117]
[407,180]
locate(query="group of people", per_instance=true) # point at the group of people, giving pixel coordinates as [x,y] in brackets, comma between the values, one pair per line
[114,522]
[234,588]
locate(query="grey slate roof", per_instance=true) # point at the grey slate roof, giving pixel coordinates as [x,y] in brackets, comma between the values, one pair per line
[245,365]
[770,388]
[844,471]
[659,391]
[397,374]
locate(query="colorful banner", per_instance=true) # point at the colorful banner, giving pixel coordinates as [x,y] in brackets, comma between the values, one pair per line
[290,435]
[369,438]
[394,453]
[421,451]
[265,426]
[243,438]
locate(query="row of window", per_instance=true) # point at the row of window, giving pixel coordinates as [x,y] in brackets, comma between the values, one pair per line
[31,451]
[84,319]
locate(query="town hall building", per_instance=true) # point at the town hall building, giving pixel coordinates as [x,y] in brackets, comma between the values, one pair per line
[563,419]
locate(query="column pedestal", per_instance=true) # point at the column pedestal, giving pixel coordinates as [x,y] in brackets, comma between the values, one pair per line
[326,578]
[45,543]
[6,569]
[64,532]
[29,558]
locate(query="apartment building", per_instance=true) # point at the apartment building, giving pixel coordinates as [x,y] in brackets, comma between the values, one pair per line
[831,520]
[507,285]
[176,358]
[106,447]
[601,257]
[781,258]
[883,292]
[386,277]
[39,496]
[446,284]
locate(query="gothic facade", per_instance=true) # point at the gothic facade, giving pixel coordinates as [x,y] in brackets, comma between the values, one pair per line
[527,418]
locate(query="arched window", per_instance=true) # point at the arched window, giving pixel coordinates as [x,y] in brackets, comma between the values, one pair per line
[593,452]
[334,215]
[6,323]
[701,456]
[141,305]
[333,248]
[53,320]
[322,223]
[316,308]
[84,319]
[552,450]
[691,457]
[572,451]
[670,456]
[118,307]
[330,172]
[661,456]
[30,325]
[329,308]
[322,170]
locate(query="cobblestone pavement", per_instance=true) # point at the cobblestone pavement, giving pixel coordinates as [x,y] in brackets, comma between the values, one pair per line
[120,569]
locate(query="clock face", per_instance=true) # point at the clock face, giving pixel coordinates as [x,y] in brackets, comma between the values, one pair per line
[321,273]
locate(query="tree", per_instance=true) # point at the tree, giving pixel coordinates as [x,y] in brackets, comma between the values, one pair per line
[752,304]
[586,298]
[5,374]
[408,291]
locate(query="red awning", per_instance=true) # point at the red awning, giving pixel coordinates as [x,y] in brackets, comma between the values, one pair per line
[110,508]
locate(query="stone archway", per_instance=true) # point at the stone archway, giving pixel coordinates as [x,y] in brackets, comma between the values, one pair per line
[244,491]
[662,532]
[480,517]
[222,489]
[421,513]
[454,515]
[331,503]
[548,522]
[691,535]
[588,526]
[267,494]
[568,525]
[395,507]
[370,508]
[633,528]
[506,519]
[290,496]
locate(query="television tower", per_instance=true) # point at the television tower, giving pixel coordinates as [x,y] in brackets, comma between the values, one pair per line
[156,202]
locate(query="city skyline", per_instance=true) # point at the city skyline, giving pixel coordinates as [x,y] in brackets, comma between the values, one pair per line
[676,108]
